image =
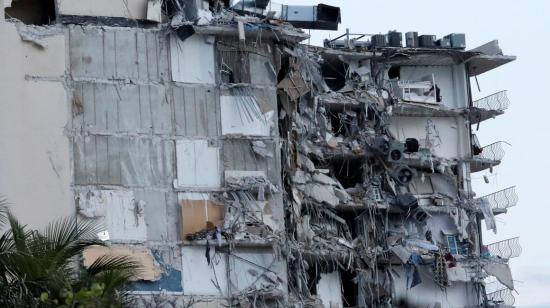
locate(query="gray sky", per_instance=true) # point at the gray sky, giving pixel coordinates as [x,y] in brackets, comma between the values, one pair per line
[523,30]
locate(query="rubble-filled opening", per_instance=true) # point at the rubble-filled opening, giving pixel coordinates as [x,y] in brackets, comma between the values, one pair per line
[345,122]
[32,12]
[349,172]
[334,72]
[233,62]
[349,288]
[394,72]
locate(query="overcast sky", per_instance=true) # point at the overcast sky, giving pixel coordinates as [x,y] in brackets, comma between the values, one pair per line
[523,30]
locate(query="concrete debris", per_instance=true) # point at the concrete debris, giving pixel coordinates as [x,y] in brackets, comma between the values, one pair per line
[259,147]
[264,172]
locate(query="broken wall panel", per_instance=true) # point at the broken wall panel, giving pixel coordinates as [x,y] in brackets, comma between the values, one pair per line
[239,155]
[196,111]
[112,160]
[150,269]
[198,164]
[119,212]
[192,60]
[118,53]
[130,9]
[450,79]
[199,213]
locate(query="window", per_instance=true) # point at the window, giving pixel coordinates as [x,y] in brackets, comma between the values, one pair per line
[452,244]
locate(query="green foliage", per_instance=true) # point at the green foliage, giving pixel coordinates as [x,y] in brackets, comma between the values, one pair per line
[40,268]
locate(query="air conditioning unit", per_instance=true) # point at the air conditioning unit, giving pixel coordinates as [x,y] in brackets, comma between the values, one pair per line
[378,40]
[395,39]
[395,153]
[402,174]
[426,41]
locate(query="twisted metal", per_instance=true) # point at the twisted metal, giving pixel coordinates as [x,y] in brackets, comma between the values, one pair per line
[506,249]
[493,152]
[502,199]
[502,296]
[497,101]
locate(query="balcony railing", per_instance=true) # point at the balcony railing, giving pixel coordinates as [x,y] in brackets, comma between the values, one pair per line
[506,249]
[492,152]
[502,199]
[502,296]
[498,101]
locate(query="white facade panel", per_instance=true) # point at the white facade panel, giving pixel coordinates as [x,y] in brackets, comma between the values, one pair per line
[329,290]
[201,278]
[198,164]
[119,211]
[192,60]
[241,115]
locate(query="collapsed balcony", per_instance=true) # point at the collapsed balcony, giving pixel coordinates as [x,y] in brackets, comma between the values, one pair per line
[500,297]
[486,157]
[489,107]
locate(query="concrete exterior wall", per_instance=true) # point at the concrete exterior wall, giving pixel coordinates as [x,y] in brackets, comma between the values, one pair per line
[132,9]
[34,150]
[447,137]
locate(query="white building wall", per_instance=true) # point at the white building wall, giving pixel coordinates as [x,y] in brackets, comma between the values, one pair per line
[35,166]
[448,137]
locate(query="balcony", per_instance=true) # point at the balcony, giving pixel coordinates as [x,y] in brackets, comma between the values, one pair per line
[501,200]
[489,107]
[487,157]
[506,249]
[501,297]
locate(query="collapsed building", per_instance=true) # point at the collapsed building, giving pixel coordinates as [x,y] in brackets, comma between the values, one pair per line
[245,169]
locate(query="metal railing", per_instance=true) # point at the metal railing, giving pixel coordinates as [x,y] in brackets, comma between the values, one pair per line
[502,199]
[502,296]
[506,249]
[497,101]
[493,152]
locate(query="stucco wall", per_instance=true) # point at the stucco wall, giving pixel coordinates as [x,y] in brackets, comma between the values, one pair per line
[34,152]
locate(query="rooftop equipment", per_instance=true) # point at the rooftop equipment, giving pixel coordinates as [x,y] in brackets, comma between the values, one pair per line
[426,41]
[412,39]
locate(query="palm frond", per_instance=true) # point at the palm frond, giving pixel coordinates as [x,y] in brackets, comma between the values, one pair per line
[113,263]
[3,210]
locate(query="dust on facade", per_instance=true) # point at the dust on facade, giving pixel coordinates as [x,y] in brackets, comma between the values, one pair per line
[245,168]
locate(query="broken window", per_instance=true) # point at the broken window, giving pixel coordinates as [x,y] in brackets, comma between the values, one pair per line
[34,12]
[334,72]
[349,172]
[233,61]
[423,91]
[349,288]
